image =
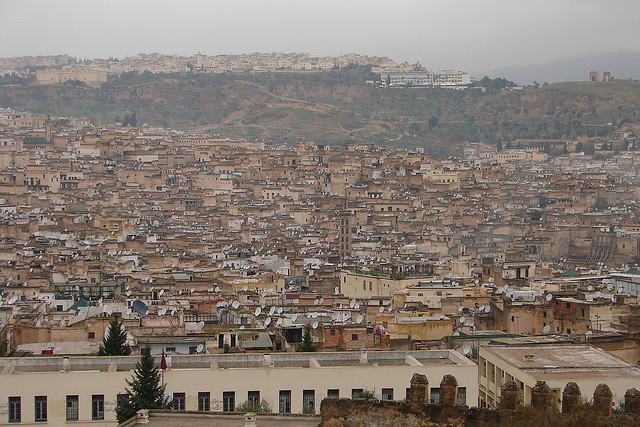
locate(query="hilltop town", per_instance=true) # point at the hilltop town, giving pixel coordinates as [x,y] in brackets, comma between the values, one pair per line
[220,247]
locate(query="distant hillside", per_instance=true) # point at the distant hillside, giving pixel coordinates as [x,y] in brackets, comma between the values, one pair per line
[622,65]
[335,107]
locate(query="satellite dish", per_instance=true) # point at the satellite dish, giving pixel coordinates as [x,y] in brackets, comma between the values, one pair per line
[257,312]
[162,312]
[589,288]
[546,329]
[506,287]
[128,293]
[359,318]
[352,303]
[357,306]
[549,297]
[280,310]
[201,324]
[217,289]
[199,348]
[588,334]
[381,310]
[267,322]
[245,288]
[466,350]
[140,307]
[241,327]
[598,294]
[279,321]
[315,301]
[462,319]
[609,287]
[173,312]
[336,290]
[315,325]
[390,309]
[321,300]
[272,311]
[314,315]
[235,305]
[294,317]
[456,334]
[193,290]
[153,287]
[161,292]
[180,292]
[460,309]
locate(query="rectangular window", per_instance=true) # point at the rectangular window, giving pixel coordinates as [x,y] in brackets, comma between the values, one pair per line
[435,395]
[407,394]
[333,393]
[41,408]
[387,394]
[15,410]
[333,332]
[462,396]
[285,402]
[204,401]
[356,393]
[354,337]
[254,398]
[97,407]
[179,400]
[309,400]
[72,408]
[229,401]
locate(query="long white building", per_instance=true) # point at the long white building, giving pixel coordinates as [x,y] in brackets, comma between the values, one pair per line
[423,78]
[56,390]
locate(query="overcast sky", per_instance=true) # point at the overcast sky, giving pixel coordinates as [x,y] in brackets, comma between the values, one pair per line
[443,34]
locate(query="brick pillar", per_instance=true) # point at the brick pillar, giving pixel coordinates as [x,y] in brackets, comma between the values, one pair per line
[509,395]
[571,396]
[632,401]
[419,394]
[448,388]
[540,395]
[602,400]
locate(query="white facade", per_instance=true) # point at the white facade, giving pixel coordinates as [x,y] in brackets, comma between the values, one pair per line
[285,380]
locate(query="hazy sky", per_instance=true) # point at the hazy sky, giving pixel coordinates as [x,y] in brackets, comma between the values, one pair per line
[462,34]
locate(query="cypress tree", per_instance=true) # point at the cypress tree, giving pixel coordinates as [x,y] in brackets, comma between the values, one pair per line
[144,391]
[307,342]
[114,342]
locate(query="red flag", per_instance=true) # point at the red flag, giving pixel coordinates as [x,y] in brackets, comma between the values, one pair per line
[163,362]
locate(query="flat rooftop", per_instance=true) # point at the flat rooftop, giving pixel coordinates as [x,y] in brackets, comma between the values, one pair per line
[14,365]
[548,362]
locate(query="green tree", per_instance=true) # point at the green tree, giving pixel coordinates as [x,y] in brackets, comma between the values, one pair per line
[5,351]
[133,121]
[114,342]
[579,147]
[261,407]
[144,391]
[499,146]
[125,122]
[307,342]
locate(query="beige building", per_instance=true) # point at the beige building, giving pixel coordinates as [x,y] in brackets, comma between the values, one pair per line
[85,389]
[557,365]
[93,78]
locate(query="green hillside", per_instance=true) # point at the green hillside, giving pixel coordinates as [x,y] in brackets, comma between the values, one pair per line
[334,106]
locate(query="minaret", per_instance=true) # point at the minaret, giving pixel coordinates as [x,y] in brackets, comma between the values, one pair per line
[48,134]
[344,236]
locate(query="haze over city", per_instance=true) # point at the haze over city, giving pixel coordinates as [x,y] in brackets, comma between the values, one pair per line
[472,35]
[320,213]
